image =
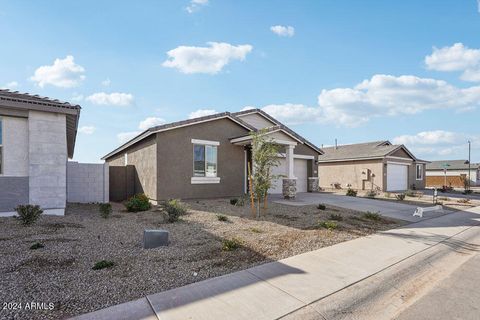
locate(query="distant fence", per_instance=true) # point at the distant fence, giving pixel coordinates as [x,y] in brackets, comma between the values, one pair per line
[122,182]
[87,182]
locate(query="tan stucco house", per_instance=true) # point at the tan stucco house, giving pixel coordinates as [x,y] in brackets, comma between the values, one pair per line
[207,157]
[375,165]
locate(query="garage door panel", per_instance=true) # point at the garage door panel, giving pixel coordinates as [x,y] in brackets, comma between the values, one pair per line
[397,177]
[299,170]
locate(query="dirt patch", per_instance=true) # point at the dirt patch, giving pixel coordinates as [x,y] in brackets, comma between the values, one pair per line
[61,272]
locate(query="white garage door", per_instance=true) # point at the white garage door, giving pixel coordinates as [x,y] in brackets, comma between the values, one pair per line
[397,177]
[299,170]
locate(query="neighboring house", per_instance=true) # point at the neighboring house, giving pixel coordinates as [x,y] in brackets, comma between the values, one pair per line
[452,173]
[371,166]
[207,157]
[37,136]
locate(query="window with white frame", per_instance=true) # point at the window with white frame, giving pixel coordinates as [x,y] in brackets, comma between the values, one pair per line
[204,160]
[1,147]
[419,171]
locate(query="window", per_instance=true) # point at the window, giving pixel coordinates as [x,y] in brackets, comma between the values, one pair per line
[204,160]
[1,147]
[419,171]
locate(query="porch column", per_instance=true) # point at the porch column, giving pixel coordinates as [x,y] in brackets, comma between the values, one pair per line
[289,184]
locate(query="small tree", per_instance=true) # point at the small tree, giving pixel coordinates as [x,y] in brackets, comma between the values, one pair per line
[264,158]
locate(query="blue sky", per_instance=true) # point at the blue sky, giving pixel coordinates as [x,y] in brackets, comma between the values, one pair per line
[407,71]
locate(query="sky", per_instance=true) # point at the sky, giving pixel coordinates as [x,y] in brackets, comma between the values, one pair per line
[357,71]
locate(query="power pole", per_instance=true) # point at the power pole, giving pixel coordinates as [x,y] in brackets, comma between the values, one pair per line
[469,149]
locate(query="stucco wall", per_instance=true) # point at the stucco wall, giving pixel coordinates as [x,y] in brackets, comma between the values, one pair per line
[15,146]
[175,161]
[48,159]
[143,157]
[412,177]
[87,182]
[350,172]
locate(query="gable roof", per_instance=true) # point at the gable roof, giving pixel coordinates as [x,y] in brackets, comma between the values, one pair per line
[451,165]
[359,151]
[25,101]
[278,125]
[175,125]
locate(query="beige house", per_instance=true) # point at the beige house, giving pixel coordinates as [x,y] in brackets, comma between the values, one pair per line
[371,166]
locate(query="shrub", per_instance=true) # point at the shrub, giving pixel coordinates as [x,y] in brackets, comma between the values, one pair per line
[256,230]
[105,209]
[28,213]
[222,217]
[174,209]
[234,201]
[336,217]
[375,216]
[371,194]
[400,196]
[321,206]
[351,192]
[329,225]
[138,202]
[36,245]
[230,244]
[103,264]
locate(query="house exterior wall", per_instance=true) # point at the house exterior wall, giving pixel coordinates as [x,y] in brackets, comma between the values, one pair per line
[47,135]
[412,176]
[15,146]
[256,120]
[143,157]
[350,172]
[87,182]
[175,161]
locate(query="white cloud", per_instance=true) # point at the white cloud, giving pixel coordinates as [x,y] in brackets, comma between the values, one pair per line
[382,95]
[77,97]
[126,136]
[201,113]
[112,99]
[150,122]
[456,58]
[247,108]
[106,82]
[64,73]
[195,5]
[438,143]
[11,85]
[86,129]
[283,31]
[210,60]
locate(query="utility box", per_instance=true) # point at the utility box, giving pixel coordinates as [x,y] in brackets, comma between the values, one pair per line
[155,238]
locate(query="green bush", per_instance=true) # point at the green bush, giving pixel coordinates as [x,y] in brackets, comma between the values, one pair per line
[36,245]
[321,206]
[105,210]
[375,216]
[371,194]
[400,196]
[230,244]
[336,217]
[103,264]
[222,217]
[330,225]
[138,202]
[174,209]
[351,192]
[28,213]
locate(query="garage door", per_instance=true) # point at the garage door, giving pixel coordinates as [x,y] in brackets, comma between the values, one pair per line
[397,177]
[299,170]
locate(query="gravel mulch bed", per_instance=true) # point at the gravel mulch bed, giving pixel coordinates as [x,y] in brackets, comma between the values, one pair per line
[61,272]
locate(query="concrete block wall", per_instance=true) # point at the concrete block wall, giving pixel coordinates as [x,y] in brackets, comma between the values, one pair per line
[47,151]
[87,182]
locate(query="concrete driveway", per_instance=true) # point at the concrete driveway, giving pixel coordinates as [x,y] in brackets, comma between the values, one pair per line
[390,209]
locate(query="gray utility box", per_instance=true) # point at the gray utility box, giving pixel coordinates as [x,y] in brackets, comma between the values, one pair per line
[155,238]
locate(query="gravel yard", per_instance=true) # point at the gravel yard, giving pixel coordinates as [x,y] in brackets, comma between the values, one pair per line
[61,272]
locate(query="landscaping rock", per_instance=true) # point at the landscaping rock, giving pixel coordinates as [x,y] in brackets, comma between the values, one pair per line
[155,238]
[289,188]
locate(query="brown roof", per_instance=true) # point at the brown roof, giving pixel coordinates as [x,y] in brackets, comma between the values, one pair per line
[27,101]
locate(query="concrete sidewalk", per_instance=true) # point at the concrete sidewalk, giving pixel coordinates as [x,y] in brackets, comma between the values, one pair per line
[276,289]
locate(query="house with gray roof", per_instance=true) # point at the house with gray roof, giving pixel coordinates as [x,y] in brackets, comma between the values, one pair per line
[37,136]
[452,173]
[207,157]
[377,165]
